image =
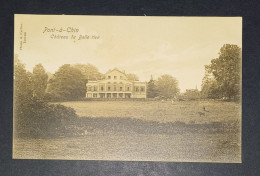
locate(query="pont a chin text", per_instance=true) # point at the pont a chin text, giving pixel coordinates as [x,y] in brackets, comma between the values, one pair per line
[54,30]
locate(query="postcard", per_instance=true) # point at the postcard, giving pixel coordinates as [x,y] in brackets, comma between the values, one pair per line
[127,88]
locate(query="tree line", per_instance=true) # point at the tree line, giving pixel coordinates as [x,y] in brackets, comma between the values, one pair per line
[222,80]
[166,86]
[34,115]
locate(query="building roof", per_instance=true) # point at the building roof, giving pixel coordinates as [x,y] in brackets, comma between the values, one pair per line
[115,69]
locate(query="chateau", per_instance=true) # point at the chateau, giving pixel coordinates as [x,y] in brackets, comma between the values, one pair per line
[116,85]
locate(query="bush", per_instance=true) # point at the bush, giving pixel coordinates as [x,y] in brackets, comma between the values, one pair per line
[36,118]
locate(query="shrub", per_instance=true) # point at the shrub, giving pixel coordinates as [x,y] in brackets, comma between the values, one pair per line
[36,118]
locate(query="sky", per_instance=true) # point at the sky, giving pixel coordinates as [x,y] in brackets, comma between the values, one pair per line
[145,46]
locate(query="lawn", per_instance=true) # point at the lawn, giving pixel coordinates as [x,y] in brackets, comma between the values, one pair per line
[137,147]
[144,131]
[184,111]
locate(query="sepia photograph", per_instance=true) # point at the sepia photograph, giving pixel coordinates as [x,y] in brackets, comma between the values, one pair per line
[127,88]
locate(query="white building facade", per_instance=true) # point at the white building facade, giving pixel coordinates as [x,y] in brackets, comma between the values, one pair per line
[116,85]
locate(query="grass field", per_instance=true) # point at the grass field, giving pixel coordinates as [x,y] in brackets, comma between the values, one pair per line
[152,147]
[144,131]
[184,111]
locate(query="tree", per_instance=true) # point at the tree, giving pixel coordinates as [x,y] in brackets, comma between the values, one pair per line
[167,86]
[192,94]
[22,82]
[209,88]
[49,75]
[34,117]
[132,77]
[226,69]
[89,71]
[67,83]
[39,81]
[37,118]
[151,89]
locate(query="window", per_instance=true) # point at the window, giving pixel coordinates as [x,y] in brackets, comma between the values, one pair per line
[115,77]
[121,88]
[142,89]
[89,88]
[137,89]
[128,88]
[108,88]
[102,88]
[95,88]
[94,95]
[114,95]
[109,77]
[114,88]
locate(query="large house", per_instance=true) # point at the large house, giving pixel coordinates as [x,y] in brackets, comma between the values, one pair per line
[116,85]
